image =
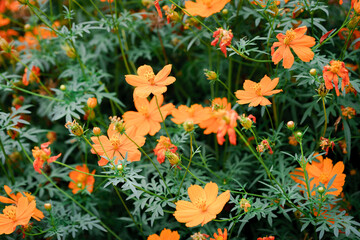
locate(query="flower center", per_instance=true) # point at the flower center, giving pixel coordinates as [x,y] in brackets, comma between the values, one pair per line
[10,212]
[335,66]
[81,178]
[324,178]
[290,35]
[201,204]
[150,77]
[143,110]
[257,88]
[115,142]
[219,238]
[39,154]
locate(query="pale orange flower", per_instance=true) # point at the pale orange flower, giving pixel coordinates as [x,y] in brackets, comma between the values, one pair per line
[332,73]
[146,82]
[33,75]
[14,199]
[117,144]
[254,93]
[221,236]
[147,119]
[14,216]
[298,42]
[166,234]
[205,8]
[204,205]
[80,180]
[43,155]
[195,114]
[219,107]
[228,124]
[322,171]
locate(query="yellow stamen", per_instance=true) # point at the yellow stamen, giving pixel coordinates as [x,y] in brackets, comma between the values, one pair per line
[115,142]
[290,35]
[257,88]
[324,178]
[200,203]
[150,77]
[335,66]
[10,212]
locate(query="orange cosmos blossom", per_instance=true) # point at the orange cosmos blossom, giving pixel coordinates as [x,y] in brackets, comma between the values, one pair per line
[211,123]
[227,126]
[204,8]
[332,73]
[221,236]
[146,82]
[322,171]
[117,144]
[147,119]
[204,205]
[14,216]
[195,114]
[166,234]
[80,180]
[254,93]
[43,155]
[164,145]
[14,199]
[298,41]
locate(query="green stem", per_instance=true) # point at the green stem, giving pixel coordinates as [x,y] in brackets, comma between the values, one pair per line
[162,118]
[187,169]
[70,197]
[7,161]
[90,174]
[325,115]
[271,122]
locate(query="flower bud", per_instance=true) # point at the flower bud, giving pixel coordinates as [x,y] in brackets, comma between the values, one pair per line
[290,125]
[75,128]
[96,131]
[299,135]
[27,27]
[353,22]
[4,45]
[62,87]
[225,11]
[119,167]
[211,75]
[92,102]
[322,91]
[79,185]
[245,204]
[321,190]
[313,72]
[188,126]
[70,51]
[47,206]
[172,157]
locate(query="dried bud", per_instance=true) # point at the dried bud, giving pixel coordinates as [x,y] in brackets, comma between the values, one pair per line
[75,128]
[211,75]
[118,124]
[245,204]
[96,131]
[290,125]
[172,157]
[353,22]
[92,102]
[313,72]
[47,206]
[62,87]
[322,91]
[188,126]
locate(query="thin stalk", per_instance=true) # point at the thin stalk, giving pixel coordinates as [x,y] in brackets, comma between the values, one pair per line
[192,174]
[227,88]
[325,115]
[162,118]
[7,161]
[271,122]
[187,169]
[90,174]
[70,197]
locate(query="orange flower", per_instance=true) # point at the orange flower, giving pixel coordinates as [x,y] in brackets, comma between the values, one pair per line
[146,82]
[298,41]
[43,155]
[322,171]
[166,234]
[147,119]
[326,143]
[80,180]
[205,8]
[227,125]
[195,114]
[4,21]
[117,145]
[16,215]
[332,73]
[211,123]
[33,76]
[204,205]
[221,236]
[254,93]
[164,145]
[14,199]
[348,112]
[225,37]
[293,141]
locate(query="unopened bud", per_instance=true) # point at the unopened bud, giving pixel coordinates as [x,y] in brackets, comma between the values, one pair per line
[321,190]
[172,157]
[79,185]
[299,135]
[75,128]
[211,75]
[92,102]
[188,126]
[4,45]
[119,167]
[62,87]
[96,131]
[290,125]
[27,27]
[47,206]
[313,72]
[225,11]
